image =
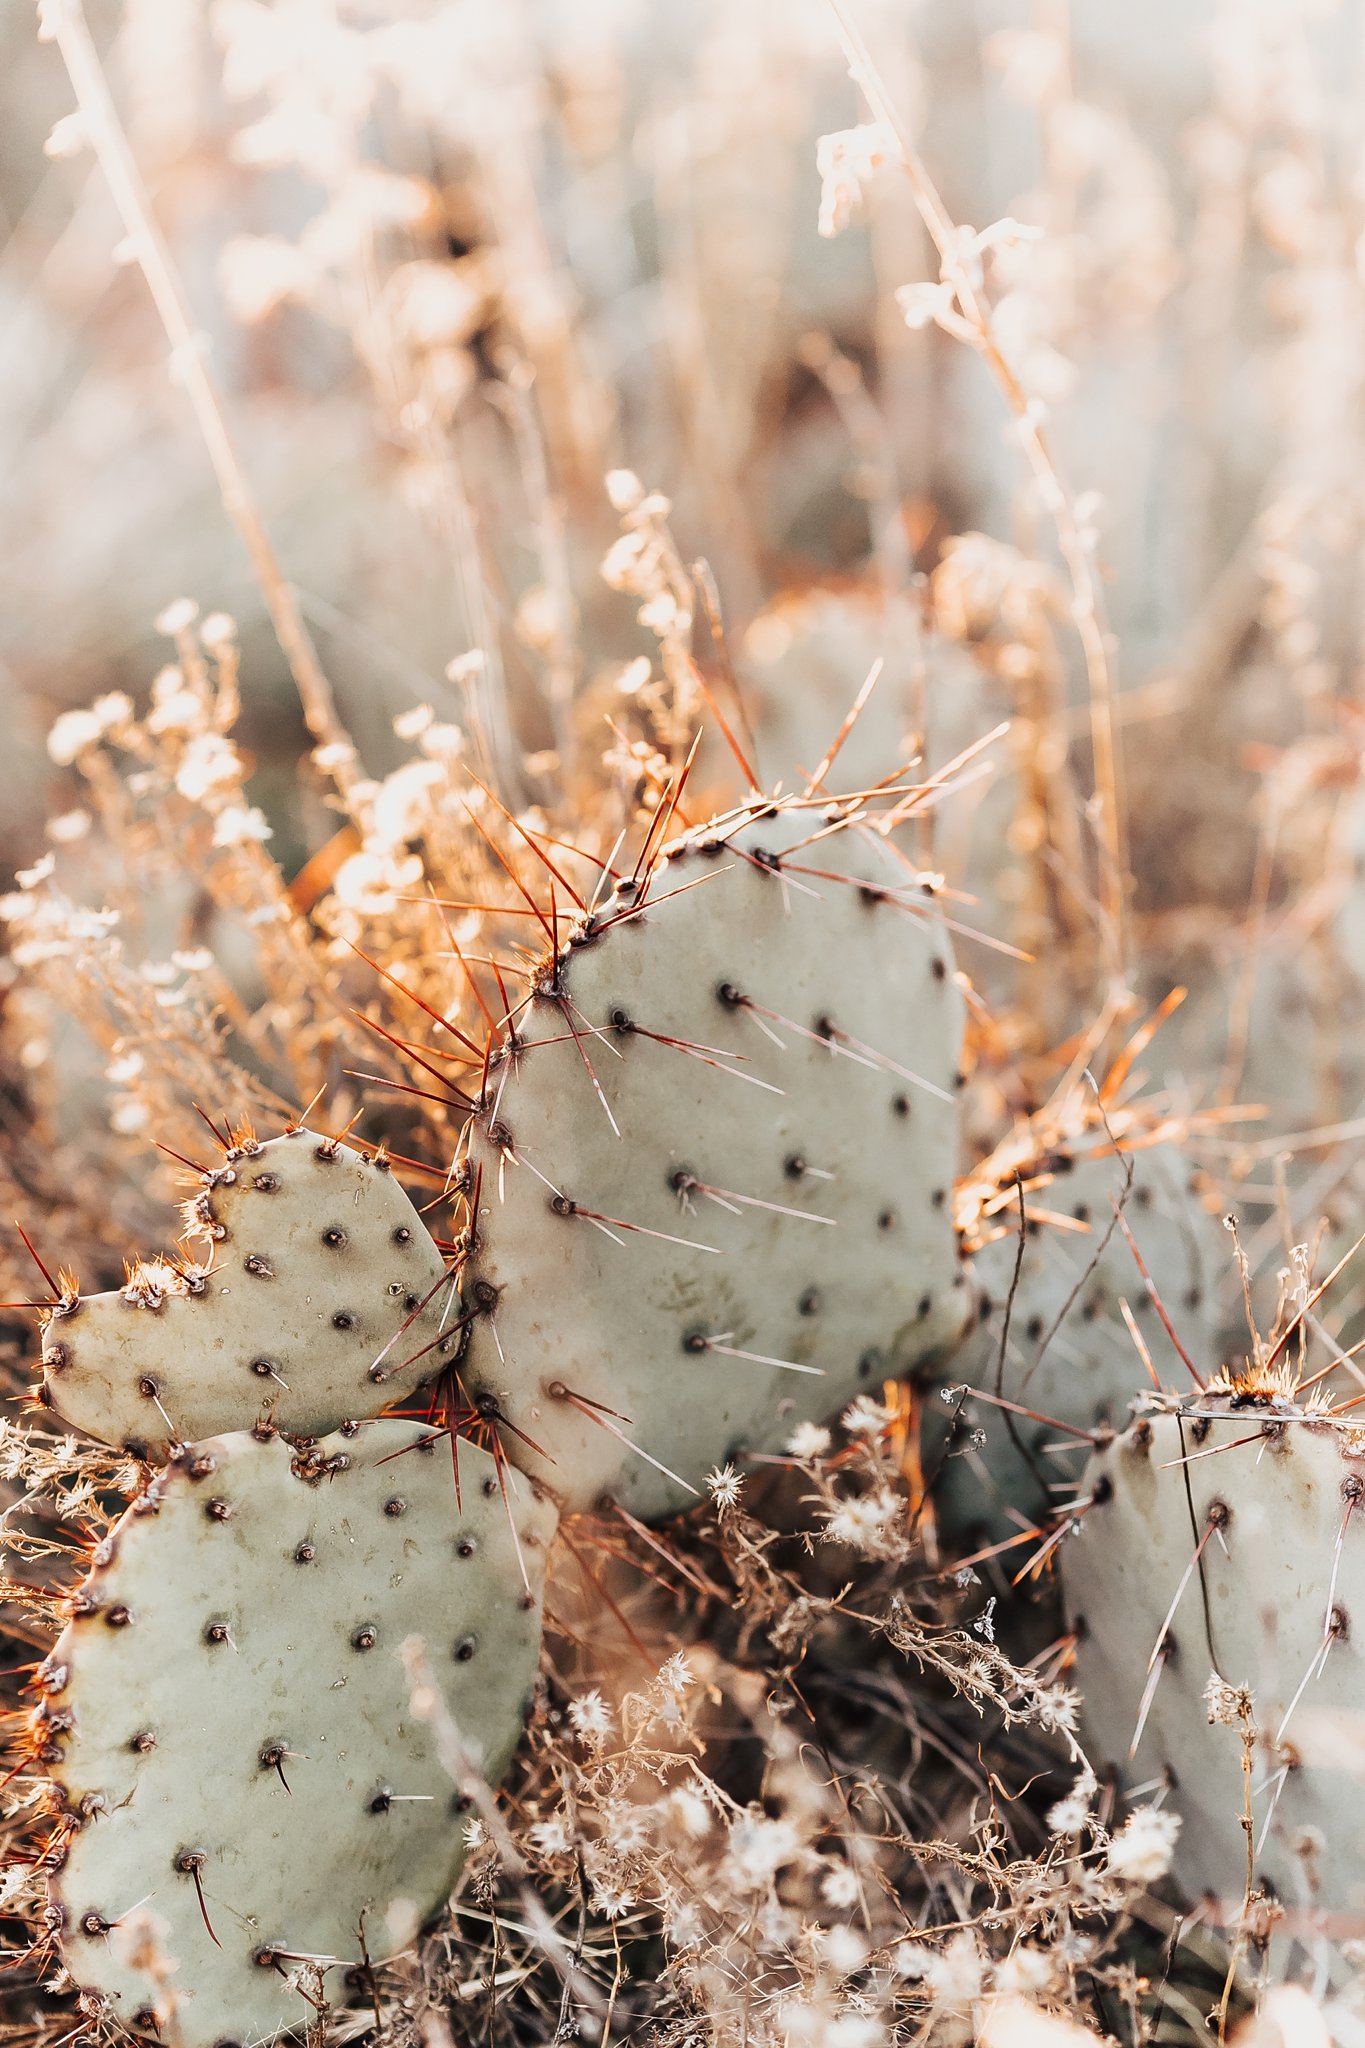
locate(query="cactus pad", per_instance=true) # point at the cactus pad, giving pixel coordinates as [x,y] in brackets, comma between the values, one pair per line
[1274,1503]
[312,1261]
[716,1166]
[1069,1355]
[241,1752]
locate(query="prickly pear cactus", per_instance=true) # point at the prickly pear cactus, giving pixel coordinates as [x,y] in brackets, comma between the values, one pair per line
[804,662]
[238,1746]
[1227,1541]
[313,1261]
[716,1164]
[1067,1353]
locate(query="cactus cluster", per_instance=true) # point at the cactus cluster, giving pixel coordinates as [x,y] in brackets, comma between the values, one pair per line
[706,1184]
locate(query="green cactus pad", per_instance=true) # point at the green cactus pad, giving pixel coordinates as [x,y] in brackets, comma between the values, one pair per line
[773,1182]
[1276,1603]
[1069,1355]
[312,1261]
[238,1725]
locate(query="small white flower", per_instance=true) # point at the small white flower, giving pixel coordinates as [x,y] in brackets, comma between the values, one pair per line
[760,1846]
[866,1417]
[839,1885]
[71,734]
[685,1928]
[845,160]
[1059,1710]
[725,1486]
[676,1675]
[474,1833]
[409,725]
[956,1972]
[442,742]
[218,632]
[624,489]
[620,568]
[1072,1813]
[1024,1973]
[209,762]
[1143,1849]
[591,1717]
[551,1836]
[177,617]
[68,826]
[865,1521]
[240,825]
[808,1441]
[686,1806]
[844,1951]
[611,1901]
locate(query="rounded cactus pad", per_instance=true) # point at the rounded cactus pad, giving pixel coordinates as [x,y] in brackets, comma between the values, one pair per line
[1216,1584]
[314,1294]
[256,1804]
[1054,1340]
[715,1165]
